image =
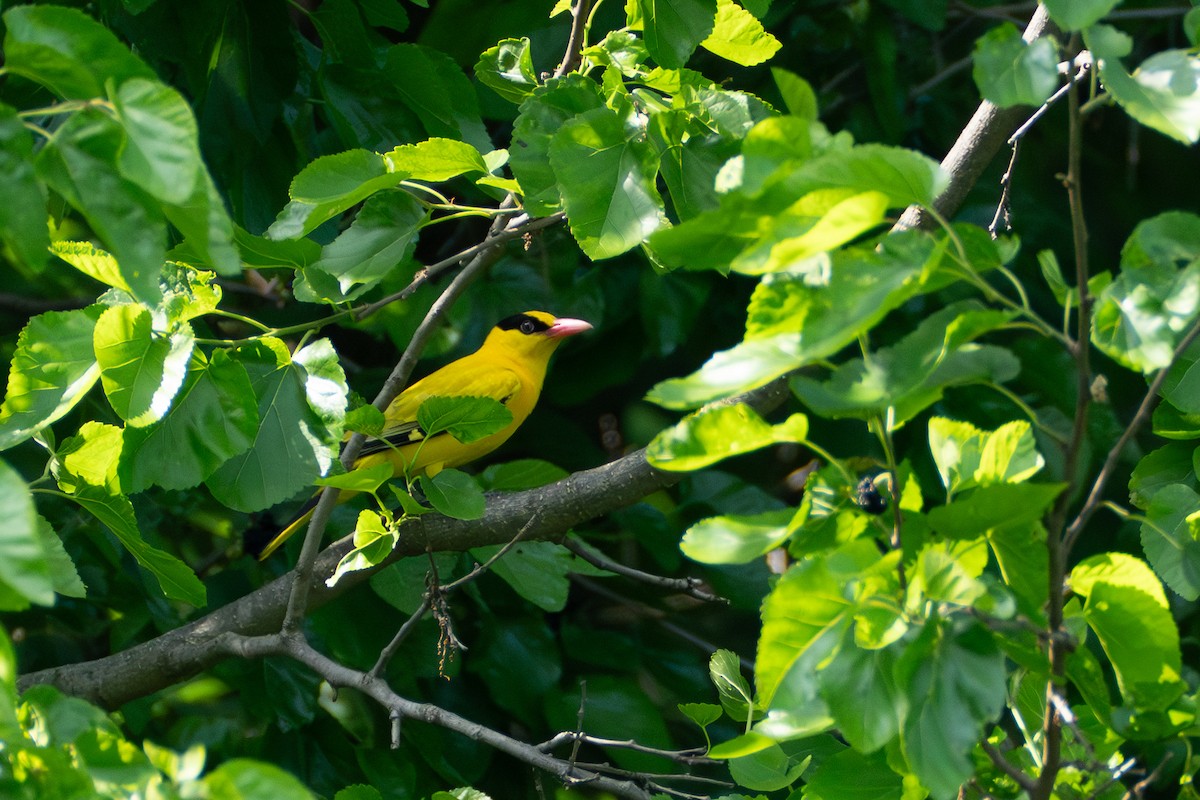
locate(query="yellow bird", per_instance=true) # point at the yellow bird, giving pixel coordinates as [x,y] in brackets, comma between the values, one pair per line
[510,367]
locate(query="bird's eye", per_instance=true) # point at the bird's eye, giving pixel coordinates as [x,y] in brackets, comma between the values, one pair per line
[527,326]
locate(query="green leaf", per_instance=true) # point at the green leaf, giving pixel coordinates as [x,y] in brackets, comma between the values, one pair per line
[91,261]
[673,28]
[327,187]
[379,241]
[1020,552]
[738,36]
[23,214]
[52,367]
[767,770]
[905,176]
[207,230]
[507,69]
[703,714]
[243,779]
[725,671]
[716,433]
[1144,312]
[1158,469]
[141,369]
[1127,610]
[1181,388]
[1171,538]
[606,177]
[851,775]
[402,584]
[536,571]
[66,51]
[435,160]
[115,512]
[89,458]
[467,419]
[63,574]
[799,318]
[524,473]
[24,567]
[948,572]
[859,686]
[1012,72]
[967,457]
[906,378]
[162,152]
[81,163]
[298,429]
[1075,15]
[453,493]
[431,84]
[373,542]
[798,94]
[214,418]
[954,679]
[1162,93]
[993,506]
[736,539]
[363,479]
[540,117]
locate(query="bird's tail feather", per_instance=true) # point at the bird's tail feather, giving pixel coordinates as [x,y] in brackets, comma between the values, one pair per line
[298,523]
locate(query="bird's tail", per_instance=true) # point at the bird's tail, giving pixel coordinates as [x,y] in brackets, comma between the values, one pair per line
[298,523]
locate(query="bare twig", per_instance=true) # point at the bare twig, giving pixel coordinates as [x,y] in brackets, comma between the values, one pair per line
[576,42]
[690,586]
[692,755]
[1139,788]
[1011,770]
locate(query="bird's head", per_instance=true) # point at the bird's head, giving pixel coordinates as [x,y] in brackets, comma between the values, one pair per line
[534,334]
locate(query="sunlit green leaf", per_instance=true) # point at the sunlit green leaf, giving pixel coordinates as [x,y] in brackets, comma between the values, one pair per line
[1161,93]
[717,433]
[1074,15]
[327,187]
[244,779]
[993,506]
[24,566]
[435,160]
[1171,538]
[213,419]
[859,686]
[434,87]
[53,366]
[967,456]
[606,178]
[738,36]
[373,542]
[161,153]
[141,369]
[736,539]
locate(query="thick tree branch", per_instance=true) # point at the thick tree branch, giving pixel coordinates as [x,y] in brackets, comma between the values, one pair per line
[184,652]
[978,144]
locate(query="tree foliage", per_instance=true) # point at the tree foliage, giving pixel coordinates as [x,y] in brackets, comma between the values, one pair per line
[896,447]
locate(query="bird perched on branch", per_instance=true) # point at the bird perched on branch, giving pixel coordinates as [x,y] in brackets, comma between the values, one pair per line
[509,367]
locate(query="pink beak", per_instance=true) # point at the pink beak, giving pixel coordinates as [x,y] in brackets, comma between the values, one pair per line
[565,326]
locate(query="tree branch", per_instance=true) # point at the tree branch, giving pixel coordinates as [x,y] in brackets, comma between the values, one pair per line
[978,143]
[180,654]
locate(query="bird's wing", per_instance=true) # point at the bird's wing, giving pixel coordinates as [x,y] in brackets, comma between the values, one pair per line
[467,377]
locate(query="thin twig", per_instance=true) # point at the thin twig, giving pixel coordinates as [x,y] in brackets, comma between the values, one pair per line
[577,40]
[690,586]
[1011,770]
[1141,786]
[691,755]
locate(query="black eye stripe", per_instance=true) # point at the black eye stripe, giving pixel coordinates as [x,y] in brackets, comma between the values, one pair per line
[524,323]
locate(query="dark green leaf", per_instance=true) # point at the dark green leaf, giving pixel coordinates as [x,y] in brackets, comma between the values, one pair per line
[141,369]
[1158,469]
[606,178]
[850,775]
[798,95]
[467,419]
[115,512]
[213,419]
[767,770]
[380,240]
[23,214]
[67,51]
[550,106]
[1020,552]
[327,187]
[954,679]
[860,689]
[63,573]
[81,164]
[206,228]
[253,780]
[1171,538]
[1012,72]
[535,570]
[673,28]
[454,494]
[507,69]
[295,441]
[53,366]
[519,661]
[435,88]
